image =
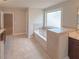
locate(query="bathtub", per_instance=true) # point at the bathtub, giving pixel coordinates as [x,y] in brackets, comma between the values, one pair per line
[40,37]
[42,34]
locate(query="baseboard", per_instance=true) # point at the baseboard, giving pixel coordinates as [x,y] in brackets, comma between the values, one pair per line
[18,34]
[67,57]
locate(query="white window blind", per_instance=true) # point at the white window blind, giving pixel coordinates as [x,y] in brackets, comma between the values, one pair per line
[54,19]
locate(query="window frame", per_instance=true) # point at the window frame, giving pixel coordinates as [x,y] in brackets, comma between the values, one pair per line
[57,9]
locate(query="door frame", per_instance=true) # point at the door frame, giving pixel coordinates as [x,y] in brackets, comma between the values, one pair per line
[12,19]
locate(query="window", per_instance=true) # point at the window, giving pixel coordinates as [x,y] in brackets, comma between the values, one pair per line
[54,19]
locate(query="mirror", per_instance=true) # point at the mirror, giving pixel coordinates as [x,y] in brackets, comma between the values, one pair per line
[78,19]
[0,20]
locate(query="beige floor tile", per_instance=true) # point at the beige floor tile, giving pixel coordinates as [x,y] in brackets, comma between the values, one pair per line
[19,47]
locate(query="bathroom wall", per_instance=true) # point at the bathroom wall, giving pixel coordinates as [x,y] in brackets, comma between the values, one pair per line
[69,18]
[35,20]
[27,17]
[19,21]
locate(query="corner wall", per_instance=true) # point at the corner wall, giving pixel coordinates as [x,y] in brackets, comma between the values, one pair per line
[35,20]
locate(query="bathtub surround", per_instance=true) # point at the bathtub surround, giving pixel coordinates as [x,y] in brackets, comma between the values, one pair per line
[57,45]
[40,39]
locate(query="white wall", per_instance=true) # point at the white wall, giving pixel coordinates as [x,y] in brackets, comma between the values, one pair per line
[69,12]
[27,19]
[35,17]
[1,21]
[19,19]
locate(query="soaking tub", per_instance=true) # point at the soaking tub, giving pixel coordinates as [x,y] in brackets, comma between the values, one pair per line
[40,36]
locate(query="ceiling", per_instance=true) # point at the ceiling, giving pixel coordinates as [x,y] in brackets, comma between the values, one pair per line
[29,3]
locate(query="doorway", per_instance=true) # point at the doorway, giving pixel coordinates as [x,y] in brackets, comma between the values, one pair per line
[8,23]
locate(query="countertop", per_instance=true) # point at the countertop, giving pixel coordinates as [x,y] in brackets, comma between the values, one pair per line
[74,35]
[2,30]
[61,30]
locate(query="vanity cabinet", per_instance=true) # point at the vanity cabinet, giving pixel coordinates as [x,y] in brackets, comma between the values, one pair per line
[73,48]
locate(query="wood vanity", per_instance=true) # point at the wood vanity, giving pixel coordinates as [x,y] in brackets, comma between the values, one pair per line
[74,45]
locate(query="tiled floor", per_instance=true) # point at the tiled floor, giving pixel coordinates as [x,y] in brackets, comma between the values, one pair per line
[19,47]
[1,50]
